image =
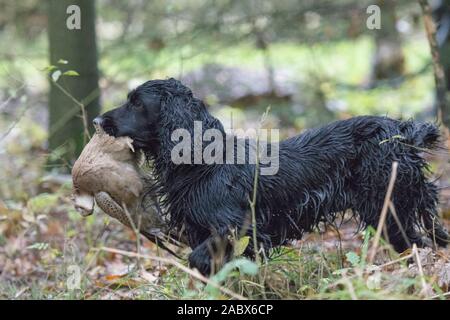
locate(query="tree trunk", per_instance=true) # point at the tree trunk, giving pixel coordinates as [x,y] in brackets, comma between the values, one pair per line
[441,15]
[67,131]
[438,34]
[389,60]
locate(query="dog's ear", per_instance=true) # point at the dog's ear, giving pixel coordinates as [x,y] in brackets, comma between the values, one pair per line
[179,109]
[183,108]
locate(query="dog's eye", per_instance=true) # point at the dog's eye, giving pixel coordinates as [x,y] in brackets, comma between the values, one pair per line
[138,106]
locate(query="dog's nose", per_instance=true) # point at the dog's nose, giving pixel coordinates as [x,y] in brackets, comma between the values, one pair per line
[97,121]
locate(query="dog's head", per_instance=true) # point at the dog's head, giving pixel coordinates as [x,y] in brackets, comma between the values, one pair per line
[153,111]
[142,115]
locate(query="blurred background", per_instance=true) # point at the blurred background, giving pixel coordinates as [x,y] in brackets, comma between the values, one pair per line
[311,61]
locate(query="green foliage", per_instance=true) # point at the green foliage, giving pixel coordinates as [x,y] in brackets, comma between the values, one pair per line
[39,246]
[353,258]
[240,245]
[234,268]
[71,73]
[42,202]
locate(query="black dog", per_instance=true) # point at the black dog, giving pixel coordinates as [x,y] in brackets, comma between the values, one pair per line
[322,173]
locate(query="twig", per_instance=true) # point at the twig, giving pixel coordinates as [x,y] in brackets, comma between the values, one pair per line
[78,103]
[253,204]
[387,264]
[137,233]
[384,212]
[425,288]
[399,223]
[4,103]
[94,94]
[178,265]
[253,201]
[439,75]
[349,285]
[13,125]
[445,294]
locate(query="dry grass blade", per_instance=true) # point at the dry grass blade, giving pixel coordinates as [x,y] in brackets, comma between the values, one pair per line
[426,290]
[384,212]
[136,231]
[398,222]
[176,264]
[442,295]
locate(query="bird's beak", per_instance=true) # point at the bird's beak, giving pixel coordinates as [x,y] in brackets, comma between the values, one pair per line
[84,204]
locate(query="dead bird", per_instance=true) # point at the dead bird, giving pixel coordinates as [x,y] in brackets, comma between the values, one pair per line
[108,173]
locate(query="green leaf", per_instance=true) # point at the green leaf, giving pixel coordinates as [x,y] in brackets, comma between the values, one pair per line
[56,75]
[397,136]
[42,202]
[38,246]
[248,267]
[245,266]
[353,258]
[49,68]
[240,245]
[71,73]
[62,61]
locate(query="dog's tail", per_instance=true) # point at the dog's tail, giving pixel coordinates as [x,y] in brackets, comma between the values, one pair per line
[423,135]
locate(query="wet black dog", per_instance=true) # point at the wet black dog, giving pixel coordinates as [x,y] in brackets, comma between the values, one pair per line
[323,172]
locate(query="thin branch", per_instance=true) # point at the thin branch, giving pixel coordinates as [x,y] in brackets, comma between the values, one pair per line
[425,287]
[178,265]
[384,212]
[13,125]
[136,230]
[78,103]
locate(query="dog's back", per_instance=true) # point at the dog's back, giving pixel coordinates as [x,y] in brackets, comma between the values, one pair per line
[347,165]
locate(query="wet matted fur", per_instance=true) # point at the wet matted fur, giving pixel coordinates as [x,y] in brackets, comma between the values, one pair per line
[345,165]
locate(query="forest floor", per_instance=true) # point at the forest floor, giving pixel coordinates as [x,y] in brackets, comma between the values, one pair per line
[48,251]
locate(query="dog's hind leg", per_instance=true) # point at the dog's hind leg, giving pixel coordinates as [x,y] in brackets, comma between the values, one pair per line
[428,212]
[400,222]
[414,218]
[401,233]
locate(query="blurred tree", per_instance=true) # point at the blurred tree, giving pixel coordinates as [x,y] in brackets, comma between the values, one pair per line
[442,16]
[388,61]
[441,12]
[25,18]
[67,127]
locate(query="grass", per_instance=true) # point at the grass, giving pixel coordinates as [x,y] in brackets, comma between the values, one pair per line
[43,236]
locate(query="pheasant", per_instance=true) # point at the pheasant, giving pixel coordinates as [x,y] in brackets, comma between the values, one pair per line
[107,173]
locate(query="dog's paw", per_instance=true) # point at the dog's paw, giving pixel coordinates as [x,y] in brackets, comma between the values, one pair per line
[200,260]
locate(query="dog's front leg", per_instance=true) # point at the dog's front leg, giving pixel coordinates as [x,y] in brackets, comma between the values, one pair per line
[211,254]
